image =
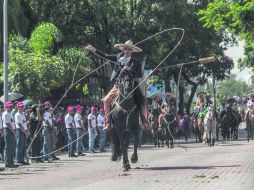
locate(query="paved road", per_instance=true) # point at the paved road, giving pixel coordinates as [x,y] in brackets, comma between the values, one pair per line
[227,166]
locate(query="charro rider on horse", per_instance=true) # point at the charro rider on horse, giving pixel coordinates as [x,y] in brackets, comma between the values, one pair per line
[125,62]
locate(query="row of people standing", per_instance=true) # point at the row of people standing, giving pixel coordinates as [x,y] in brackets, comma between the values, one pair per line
[41,128]
[74,125]
[15,131]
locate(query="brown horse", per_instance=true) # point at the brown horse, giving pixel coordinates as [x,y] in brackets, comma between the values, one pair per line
[250,123]
[199,128]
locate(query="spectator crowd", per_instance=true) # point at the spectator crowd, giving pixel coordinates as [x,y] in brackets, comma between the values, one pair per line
[38,131]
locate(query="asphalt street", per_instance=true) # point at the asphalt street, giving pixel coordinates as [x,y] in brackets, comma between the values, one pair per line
[226,166]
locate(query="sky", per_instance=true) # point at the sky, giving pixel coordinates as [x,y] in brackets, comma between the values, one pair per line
[235,53]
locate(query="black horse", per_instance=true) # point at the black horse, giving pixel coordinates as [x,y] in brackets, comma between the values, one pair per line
[229,123]
[153,120]
[125,119]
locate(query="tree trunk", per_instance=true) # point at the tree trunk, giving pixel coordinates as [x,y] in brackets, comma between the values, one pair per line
[181,98]
[193,91]
[166,78]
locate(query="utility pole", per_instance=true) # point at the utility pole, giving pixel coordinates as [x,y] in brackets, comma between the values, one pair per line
[214,92]
[5,49]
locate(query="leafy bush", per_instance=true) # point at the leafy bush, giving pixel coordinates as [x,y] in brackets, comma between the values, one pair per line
[44,38]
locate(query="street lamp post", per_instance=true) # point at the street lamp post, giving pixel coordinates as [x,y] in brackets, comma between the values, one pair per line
[5,49]
[202,61]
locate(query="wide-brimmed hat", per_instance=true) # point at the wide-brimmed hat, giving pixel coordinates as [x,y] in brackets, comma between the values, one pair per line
[155,95]
[230,100]
[251,94]
[128,44]
[200,94]
[168,94]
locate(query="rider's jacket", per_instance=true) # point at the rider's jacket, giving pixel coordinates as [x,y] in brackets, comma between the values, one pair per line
[135,65]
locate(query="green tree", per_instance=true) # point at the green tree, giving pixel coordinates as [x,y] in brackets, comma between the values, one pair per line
[45,39]
[235,18]
[21,19]
[232,87]
[35,70]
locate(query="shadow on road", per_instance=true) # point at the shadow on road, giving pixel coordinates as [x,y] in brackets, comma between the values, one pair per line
[186,167]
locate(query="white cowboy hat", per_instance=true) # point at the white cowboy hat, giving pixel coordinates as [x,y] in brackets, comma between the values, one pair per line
[128,44]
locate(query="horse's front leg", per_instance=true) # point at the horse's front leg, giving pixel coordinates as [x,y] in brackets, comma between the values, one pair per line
[134,157]
[124,146]
[116,151]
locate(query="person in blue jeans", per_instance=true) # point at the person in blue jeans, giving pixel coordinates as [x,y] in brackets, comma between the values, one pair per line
[80,128]
[21,135]
[100,126]
[48,132]
[69,123]
[9,136]
[92,129]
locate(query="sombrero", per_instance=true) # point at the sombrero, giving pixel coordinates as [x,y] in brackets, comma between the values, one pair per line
[251,94]
[155,95]
[201,94]
[168,94]
[128,44]
[230,100]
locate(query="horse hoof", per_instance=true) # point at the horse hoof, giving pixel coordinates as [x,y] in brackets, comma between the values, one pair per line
[134,158]
[115,158]
[126,167]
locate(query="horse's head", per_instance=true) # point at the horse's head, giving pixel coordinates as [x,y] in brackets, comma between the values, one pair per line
[169,112]
[126,81]
[211,112]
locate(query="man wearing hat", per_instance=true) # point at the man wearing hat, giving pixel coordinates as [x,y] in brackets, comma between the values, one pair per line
[121,61]
[21,134]
[48,132]
[80,128]
[102,133]
[92,129]
[9,135]
[69,123]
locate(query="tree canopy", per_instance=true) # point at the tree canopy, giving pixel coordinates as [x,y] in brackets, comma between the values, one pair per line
[235,18]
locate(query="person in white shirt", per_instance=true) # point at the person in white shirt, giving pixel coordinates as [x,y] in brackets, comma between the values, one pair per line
[92,129]
[9,136]
[21,134]
[100,126]
[48,132]
[69,123]
[1,136]
[80,128]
